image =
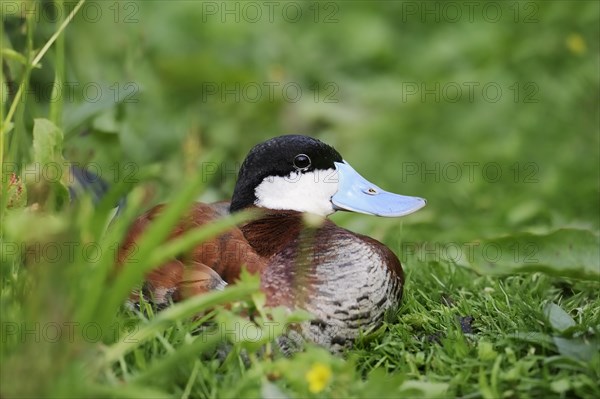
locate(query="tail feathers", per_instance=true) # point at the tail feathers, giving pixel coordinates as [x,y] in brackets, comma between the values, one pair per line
[85,182]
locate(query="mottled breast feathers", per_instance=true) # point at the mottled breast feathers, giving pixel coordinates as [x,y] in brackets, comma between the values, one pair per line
[346,280]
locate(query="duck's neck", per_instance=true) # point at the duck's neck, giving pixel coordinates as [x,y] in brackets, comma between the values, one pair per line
[272,231]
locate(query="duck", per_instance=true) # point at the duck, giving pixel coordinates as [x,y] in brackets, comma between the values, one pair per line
[347,281]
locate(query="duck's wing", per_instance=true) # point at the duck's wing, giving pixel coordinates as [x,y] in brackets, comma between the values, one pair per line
[175,281]
[208,266]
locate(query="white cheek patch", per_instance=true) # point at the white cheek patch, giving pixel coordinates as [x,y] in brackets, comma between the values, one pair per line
[302,192]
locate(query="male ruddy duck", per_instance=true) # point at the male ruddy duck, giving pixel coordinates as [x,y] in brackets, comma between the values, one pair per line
[346,280]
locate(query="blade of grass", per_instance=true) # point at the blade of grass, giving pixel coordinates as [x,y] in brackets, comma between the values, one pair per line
[17,107]
[92,292]
[56,106]
[197,236]
[36,60]
[163,366]
[133,271]
[176,312]
[2,105]
[191,380]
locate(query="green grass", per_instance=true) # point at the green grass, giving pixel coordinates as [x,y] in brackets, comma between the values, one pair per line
[502,274]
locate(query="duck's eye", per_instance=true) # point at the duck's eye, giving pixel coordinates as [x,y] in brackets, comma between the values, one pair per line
[302,161]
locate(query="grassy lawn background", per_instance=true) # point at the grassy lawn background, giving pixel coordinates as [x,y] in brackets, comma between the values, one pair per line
[489,111]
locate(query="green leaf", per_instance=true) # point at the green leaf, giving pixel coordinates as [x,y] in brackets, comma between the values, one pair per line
[12,55]
[565,253]
[47,143]
[485,351]
[560,386]
[52,169]
[537,338]
[423,389]
[8,126]
[384,385]
[269,390]
[559,319]
[577,349]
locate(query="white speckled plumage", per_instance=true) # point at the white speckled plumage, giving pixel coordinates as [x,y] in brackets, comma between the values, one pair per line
[348,289]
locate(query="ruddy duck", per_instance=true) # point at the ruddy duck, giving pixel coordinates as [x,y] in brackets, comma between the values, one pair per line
[346,280]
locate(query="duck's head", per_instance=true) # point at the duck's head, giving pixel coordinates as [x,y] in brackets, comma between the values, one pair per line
[303,174]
